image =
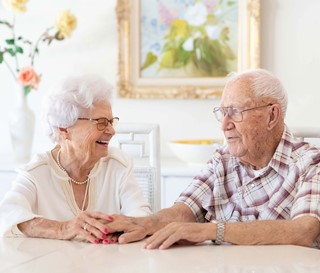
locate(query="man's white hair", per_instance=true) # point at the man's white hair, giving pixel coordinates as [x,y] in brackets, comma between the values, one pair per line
[263,84]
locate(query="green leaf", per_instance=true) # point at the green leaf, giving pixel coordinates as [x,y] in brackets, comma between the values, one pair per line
[169,45]
[168,59]
[11,52]
[150,60]
[19,49]
[10,41]
[27,90]
[1,57]
[183,56]
[213,62]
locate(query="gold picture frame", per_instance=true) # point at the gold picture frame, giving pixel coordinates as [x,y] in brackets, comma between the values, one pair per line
[131,83]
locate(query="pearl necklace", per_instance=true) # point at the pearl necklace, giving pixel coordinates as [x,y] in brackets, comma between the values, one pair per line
[70,179]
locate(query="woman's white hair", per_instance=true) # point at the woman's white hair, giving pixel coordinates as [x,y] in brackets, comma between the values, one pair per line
[70,99]
[263,84]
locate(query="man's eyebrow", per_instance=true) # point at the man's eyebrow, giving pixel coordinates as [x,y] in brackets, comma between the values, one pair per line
[230,106]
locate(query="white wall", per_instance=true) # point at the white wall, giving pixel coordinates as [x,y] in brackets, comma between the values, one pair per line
[290,48]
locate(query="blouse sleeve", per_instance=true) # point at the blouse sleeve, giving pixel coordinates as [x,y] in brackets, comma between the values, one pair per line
[17,205]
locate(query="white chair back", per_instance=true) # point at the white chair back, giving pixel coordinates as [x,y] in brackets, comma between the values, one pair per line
[142,142]
[310,134]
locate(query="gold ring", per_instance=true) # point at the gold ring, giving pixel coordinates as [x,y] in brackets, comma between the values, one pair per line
[85,227]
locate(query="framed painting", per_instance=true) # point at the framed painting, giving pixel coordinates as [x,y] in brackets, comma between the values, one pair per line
[184,48]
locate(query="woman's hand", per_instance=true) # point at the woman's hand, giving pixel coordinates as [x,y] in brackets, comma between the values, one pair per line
[95,227]
[90,226]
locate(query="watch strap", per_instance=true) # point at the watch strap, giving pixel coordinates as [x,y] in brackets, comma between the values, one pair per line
[220,233]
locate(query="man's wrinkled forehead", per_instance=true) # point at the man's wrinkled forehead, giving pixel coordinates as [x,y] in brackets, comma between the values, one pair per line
[238,92]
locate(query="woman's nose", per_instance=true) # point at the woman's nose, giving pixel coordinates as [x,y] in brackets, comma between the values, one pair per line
[110,130]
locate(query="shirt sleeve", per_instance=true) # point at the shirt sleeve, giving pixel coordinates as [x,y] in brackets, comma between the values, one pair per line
[307,200]
[199,190]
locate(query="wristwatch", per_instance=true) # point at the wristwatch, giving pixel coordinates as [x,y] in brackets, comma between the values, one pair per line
[220,233]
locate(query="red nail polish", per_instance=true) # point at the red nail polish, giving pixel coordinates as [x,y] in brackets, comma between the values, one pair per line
[96,241]
[112,241]
[104,236]
[105,241]
[110,218]
[106,231]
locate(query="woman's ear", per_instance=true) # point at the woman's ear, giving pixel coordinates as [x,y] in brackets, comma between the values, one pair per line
[64,133]
[274,116]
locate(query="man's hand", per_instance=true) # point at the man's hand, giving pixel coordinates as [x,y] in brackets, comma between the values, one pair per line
[132,229]
[181,233]
[137,228]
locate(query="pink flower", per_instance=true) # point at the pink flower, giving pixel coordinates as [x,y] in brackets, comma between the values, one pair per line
[28,77]
[166,15]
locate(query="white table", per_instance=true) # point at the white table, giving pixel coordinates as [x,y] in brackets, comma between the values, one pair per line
[46,256]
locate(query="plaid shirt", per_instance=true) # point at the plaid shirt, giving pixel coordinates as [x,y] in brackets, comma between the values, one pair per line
[288,188]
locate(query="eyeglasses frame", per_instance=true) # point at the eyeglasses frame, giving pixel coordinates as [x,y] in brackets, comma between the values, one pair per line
[96,120]
[216,109]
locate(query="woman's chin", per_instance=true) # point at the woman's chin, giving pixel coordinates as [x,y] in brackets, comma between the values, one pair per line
[102,152]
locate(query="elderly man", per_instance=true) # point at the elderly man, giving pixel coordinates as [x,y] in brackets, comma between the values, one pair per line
[261,188]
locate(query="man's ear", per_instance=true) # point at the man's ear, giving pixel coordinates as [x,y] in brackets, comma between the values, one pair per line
[274,116]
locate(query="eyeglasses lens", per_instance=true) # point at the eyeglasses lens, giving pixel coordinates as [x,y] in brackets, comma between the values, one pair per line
[103,123]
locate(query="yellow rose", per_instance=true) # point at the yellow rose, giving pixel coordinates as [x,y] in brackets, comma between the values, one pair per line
[65,23]
[179,27]
[16,5]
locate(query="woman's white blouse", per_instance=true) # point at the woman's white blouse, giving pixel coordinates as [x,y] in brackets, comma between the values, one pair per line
[42,189]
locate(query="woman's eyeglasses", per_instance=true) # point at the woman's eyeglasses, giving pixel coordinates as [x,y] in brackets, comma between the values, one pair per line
[102,123]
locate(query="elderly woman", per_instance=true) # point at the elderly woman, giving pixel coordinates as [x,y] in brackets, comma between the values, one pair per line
[70,191]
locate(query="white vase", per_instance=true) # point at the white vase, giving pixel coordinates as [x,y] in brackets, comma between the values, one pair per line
[21,123]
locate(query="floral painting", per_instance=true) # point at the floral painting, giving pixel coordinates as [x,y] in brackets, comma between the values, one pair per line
[184,49]
[188,38]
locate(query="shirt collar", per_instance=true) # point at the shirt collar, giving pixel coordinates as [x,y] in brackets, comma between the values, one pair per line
[282,156]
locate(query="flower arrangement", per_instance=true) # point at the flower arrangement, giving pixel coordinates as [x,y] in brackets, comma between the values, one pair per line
[195,37]
[17,45]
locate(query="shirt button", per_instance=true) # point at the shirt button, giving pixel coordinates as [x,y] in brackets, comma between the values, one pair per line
[252,185]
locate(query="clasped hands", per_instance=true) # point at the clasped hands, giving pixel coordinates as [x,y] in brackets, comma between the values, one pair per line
[90,226]
[101,228]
